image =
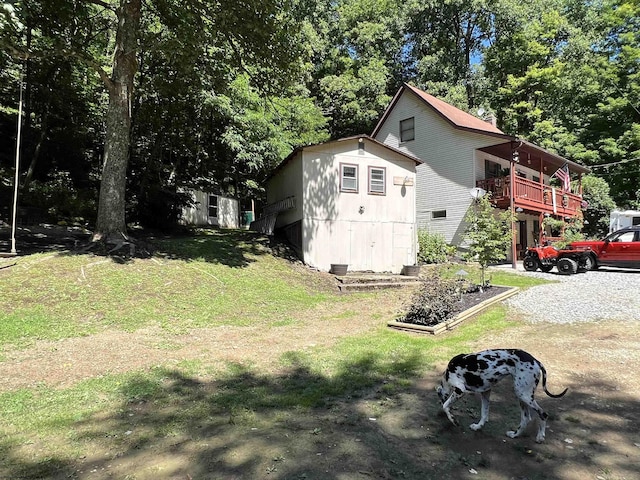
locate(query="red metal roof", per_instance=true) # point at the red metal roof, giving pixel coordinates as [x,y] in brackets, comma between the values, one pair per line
[457,117]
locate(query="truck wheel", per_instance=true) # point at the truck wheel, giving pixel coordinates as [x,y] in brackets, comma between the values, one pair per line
[530,264]
[567,266]
[589,263]
[585,264]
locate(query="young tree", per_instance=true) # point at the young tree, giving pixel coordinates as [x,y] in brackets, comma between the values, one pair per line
[488,233]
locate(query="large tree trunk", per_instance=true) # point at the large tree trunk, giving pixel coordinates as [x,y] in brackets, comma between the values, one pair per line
[111,207]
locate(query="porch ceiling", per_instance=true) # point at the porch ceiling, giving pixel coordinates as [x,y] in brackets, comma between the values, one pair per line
[533,156]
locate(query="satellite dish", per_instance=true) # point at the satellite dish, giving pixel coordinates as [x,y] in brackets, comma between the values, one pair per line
[477,193]
[480,112]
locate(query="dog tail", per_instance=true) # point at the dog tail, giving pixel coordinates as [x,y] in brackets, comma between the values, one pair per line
[544,385]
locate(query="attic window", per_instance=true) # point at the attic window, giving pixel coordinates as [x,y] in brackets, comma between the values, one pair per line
[407,130]
[439,214]
[377,181]
[348,178]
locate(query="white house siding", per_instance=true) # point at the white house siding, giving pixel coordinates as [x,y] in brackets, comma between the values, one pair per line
[449,170]
[368,232]
[198,214]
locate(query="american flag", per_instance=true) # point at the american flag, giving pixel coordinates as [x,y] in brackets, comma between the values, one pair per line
[563,175]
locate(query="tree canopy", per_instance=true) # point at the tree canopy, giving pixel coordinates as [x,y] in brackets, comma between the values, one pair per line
[198,94]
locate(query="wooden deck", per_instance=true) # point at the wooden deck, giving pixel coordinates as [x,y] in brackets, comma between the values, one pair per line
[531,196]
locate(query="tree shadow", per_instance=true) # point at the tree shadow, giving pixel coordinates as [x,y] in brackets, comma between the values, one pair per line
[375,418]
[233,248]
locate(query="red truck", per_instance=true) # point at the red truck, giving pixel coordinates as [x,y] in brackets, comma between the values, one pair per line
[618,249]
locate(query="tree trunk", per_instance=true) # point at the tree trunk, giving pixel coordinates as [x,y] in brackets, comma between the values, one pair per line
[111,207]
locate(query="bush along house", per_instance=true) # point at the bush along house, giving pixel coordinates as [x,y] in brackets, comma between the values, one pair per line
[461,153]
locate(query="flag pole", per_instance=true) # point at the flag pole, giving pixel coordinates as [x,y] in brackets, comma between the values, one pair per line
[17,175]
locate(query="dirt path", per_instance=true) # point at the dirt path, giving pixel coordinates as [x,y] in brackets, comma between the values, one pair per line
[60,364]
[592,432]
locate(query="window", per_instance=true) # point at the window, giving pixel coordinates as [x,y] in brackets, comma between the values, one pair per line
[407,130]
[439,214]
[213,206]
[348,178]
[492,169]
[377,184]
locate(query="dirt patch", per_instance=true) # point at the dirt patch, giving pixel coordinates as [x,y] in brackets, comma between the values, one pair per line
[592,432]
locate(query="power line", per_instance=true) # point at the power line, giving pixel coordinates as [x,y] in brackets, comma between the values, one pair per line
[614,163]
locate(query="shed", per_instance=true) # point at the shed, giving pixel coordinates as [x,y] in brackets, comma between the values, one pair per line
[349,201]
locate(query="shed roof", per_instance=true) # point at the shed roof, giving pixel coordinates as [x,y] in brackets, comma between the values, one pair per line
[363,137]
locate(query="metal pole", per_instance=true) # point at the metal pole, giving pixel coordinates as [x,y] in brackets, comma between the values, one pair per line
[17,176]
[512,181]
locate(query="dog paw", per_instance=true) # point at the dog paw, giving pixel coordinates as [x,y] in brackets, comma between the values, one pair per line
[475,426]
[512,434]
[539,439]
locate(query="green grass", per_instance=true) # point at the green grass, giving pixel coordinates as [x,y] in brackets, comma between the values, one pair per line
[221,278]
[59,296]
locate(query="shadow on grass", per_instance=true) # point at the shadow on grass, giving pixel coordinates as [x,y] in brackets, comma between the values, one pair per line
[374,419]
[234,248]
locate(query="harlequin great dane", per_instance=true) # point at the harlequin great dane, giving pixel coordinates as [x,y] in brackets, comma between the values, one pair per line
[478,372]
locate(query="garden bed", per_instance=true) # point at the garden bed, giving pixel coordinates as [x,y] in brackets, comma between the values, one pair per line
[469,305]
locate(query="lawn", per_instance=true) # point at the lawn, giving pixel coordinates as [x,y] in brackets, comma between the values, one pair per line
[218,358]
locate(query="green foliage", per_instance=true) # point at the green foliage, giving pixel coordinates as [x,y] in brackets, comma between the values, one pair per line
[600,204]
[433,248]
[488,233]
[224,92]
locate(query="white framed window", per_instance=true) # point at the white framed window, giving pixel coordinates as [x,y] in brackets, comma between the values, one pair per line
[377,181]
[407,129]
[213,206]
[348,177]
[435,214]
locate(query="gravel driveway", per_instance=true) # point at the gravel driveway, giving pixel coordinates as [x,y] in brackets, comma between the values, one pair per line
[584,297]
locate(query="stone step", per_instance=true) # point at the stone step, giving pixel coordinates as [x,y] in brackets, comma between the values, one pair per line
[369,279]
[376,285]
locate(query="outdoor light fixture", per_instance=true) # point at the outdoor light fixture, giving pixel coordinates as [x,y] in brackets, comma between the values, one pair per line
[519,210]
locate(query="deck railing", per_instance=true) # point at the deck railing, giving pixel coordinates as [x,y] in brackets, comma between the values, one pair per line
[532,195]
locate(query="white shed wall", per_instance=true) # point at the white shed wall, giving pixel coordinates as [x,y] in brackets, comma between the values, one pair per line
[368,232]
[198,214]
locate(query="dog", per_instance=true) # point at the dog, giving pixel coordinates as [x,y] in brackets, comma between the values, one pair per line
[478,372]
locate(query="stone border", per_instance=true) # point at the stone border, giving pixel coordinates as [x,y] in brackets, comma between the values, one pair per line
[452,323]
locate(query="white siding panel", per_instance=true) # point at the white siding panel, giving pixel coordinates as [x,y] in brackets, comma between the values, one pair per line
[198,214]
[450,168]
[368,232]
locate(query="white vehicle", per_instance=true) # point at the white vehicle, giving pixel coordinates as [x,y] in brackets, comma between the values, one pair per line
[622,219]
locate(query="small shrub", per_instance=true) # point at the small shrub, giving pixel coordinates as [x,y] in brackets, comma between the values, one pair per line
[433,248]
[435,301]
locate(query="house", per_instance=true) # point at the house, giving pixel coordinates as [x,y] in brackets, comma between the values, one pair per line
[349,201]
[211,209]
[460,153]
